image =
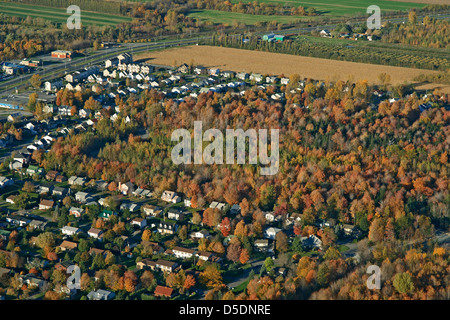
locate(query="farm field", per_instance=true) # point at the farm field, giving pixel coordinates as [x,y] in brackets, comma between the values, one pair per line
[347,7]
[59,15]
[220,17]
[425,1]
[323,7]
[276,63]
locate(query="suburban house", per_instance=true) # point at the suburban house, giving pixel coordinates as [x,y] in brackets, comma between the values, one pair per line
[162,291]
[139,192]
[51,175]
[126,188]
[32,170]
[45,188]
[271,79]
[132,207]
[271,232]
[183,253]
[101,294]
[219,205]
[202,234]
[187,202]
[82,197]
[10,199]
[213,71]
[165,266]
[32,281]
[18,220]
[175,214]
[5,181]
[102,202]
[95,233]
[21,158]
[242,76]
[101,185]
[77,212]
[184,68]
[261,245]
[46,204]
[68,245]
[204,255]
[199,70]
[271,217]
[141,223]
[312,242]
[70,231]
[59,192]
[256,77]
[106,214]
[151,210]
[165,227]
[63,265]
[348,229]
[284,81]
[74,180]
[170,196]
[37,224]
[146,264]
[84,113]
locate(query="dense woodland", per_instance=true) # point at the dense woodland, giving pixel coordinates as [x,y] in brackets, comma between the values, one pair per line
[391,162]
[429,32]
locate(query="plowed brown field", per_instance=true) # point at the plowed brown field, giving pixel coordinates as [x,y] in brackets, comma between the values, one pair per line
[240,60]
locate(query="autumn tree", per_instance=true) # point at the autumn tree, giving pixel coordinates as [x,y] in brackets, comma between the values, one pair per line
[244,256]
[189,282]
[36,81]
[146,234]
[130,281]
[225,227]
[281,242]
[403,283]
[211,276]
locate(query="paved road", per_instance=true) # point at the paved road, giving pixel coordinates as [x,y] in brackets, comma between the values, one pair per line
[255,266]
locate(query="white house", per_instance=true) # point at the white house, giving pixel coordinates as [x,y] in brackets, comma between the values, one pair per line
[271,232]
[170,196]
[4,181]
[256,77]
[183,253]
[70,231]
[141,223]
[95,233]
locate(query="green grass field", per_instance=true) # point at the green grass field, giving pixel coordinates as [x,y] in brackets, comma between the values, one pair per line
[333,8]
[229,18]
[58,14]
[344,7]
